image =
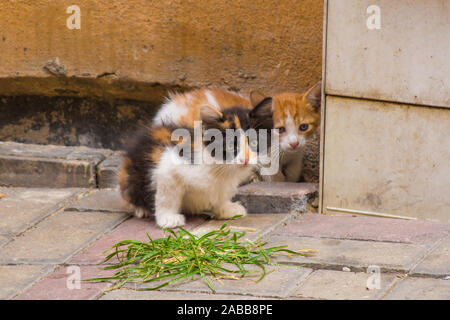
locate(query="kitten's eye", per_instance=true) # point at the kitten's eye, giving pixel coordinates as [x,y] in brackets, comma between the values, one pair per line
[282,129]
[303,127]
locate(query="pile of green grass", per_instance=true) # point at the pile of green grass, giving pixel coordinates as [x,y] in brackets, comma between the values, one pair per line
[183,256]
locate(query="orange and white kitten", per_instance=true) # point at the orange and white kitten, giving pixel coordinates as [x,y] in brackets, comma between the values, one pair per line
[297,117]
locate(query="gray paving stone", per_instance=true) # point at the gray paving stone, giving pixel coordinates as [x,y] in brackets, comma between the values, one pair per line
[52,173]
[253,224]
[437,263]
[56,238]
[4,239]
[8,148]
[129,294]
[276,197]
[108,169]
[105,200]
[337,285]
[366,228]
[21,208]
[280,281]
[88,154]
[358,255]
[15,278]
[33,150]
[29,165]
[420,289]
[57,285]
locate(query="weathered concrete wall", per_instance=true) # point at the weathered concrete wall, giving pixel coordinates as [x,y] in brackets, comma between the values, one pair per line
[71,121]
[136,49]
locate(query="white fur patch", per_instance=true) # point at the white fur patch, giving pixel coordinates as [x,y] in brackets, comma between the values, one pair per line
[211,99]
[291,135]
[170,112]
[194,188]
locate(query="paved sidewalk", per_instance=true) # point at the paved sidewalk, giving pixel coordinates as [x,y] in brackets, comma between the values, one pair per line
[48,236]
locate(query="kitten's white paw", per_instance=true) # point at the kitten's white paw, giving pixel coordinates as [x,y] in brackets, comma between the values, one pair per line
[141,212]
[229,210]
[168,219]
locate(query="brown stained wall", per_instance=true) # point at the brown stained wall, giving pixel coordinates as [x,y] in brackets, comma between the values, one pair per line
[135,49]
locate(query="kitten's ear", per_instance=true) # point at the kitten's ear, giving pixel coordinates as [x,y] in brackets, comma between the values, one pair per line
[263,109]
[209,113]
[313,96]
[256,97]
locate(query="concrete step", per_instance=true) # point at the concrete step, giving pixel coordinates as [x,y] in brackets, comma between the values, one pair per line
[278,197]
[49,166]
[30,165]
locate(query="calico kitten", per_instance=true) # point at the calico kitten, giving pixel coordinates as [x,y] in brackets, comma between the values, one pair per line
[297,118]
[156,176]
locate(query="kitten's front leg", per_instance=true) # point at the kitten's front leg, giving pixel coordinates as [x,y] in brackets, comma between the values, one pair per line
[228,210]
[168,197]
[293,169]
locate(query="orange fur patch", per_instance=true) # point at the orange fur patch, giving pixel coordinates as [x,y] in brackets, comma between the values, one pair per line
[196,99]
[295,105]
[237,122]
[123,178]
[155,154]
[161,134]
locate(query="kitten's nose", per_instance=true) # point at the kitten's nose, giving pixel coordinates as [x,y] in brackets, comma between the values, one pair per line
[294,144]
[243,160]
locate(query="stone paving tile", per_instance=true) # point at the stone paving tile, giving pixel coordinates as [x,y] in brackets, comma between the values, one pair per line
[132,229]
[437,263]
[88,154]
[276,197]
[366,228]
[49,166]
[108,169]
[252,224]
[3,240]
[278,282]
[21,208]
[337,285]
[15,278]
[52,151]
[61,285]
[50,173]
[59,236]
[334,253]
[107,200]
[420,289]
[8,148]
[128,294]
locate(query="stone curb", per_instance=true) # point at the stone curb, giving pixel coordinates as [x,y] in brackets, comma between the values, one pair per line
[108,169]
[277,197]
[30,165]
